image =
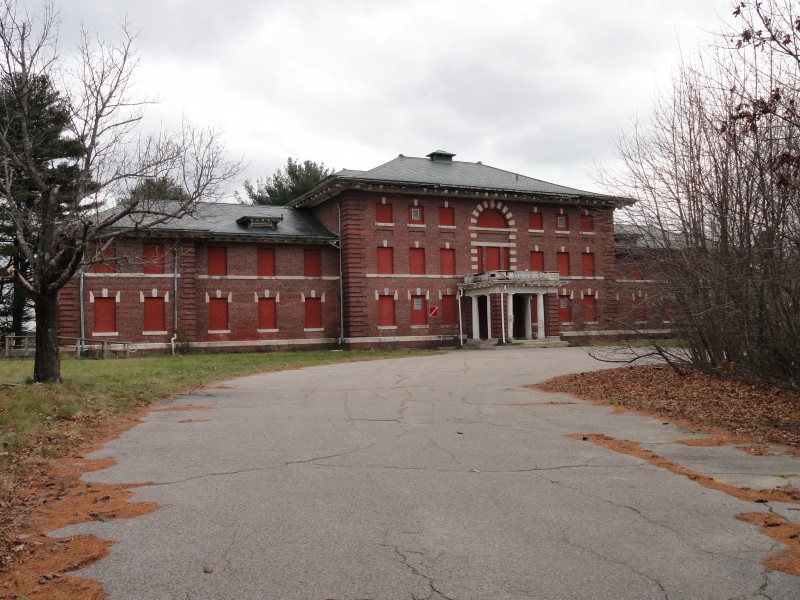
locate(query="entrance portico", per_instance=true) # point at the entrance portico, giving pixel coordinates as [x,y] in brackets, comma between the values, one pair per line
[509,285]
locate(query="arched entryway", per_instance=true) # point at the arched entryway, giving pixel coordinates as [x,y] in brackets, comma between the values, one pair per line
[493,239]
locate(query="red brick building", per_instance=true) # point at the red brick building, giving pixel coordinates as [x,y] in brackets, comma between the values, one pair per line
[417,251]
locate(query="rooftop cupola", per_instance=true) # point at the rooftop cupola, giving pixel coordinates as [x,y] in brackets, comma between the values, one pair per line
[441,156]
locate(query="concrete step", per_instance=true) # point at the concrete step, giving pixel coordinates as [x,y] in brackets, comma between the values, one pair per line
[553,342]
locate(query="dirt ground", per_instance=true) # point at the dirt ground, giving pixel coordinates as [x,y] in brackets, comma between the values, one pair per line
[38,496]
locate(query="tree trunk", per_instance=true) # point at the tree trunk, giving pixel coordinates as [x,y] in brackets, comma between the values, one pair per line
[18,299]
[47,364]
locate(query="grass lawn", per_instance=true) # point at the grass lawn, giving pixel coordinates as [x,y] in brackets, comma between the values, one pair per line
[45,419]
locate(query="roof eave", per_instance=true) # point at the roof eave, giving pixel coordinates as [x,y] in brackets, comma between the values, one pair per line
[336,186]
[234,237]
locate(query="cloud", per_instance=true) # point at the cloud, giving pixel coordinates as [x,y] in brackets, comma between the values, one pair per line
[527,85]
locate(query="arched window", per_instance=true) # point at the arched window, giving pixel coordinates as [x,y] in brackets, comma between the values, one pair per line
[492,219]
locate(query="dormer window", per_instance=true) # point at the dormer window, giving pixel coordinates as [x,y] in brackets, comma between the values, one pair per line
[259,222]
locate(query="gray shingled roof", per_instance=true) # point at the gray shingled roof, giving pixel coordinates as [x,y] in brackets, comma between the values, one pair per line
[405,170]
[220,220]
[635,236]
[410,169]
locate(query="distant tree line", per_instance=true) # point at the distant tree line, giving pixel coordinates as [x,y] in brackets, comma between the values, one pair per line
[286,184]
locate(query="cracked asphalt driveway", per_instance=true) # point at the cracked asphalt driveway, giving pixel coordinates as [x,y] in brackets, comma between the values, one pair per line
[431,477]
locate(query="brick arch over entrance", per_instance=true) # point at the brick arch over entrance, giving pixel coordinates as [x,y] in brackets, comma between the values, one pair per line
[495,205]
[493,250]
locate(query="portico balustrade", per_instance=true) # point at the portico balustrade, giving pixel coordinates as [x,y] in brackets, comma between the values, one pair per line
[508,284]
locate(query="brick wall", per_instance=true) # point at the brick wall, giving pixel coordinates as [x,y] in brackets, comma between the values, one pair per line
[362,236]
[241,287]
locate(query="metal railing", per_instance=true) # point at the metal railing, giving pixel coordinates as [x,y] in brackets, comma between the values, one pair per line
[25,346]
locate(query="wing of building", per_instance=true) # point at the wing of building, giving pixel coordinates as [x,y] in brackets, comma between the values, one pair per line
[417,252]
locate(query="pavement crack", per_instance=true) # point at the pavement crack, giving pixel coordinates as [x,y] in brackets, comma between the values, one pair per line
[391,467]
[274,466]
[346,453]
[761,592]
[646,519]
[661,587]
[422,577]
[216,474]
[450,454]
[556,468]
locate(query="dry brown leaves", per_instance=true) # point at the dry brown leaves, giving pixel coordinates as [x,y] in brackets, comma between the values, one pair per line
[764,414]
[39,496]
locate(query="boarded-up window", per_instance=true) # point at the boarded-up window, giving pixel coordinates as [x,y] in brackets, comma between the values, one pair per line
[419,310]
[564,309]
[108,260]
[666,307]
[587,265]
[587,224]
[312,262]
[416,215]
[153,255]
[492,258]
[386,311]
[383,213]
[449,310]
[217,260]
[447,261]
[154,319]
[535,221]
[266,262]
[589,309]
[562,262]
[416,261]
[537,260]
[639,308]
[218,314]
[491,219]
[267,315]
[385,261]
[105,315]
[313,313]
[562,223]
[447,216]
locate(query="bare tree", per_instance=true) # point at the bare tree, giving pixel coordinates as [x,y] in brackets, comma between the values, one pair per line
[84,202]
[721,209]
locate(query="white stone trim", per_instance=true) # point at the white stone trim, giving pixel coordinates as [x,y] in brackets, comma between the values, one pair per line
[269,277]
[103,294]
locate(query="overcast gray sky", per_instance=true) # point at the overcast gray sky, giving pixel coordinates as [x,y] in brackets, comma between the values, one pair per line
[537,87]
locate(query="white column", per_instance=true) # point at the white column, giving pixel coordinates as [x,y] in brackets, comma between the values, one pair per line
[528,318]
[488,316]
[540,316]
[476,320]
[510,317]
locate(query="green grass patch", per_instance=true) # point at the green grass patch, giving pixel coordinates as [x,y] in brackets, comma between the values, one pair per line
[46,418]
